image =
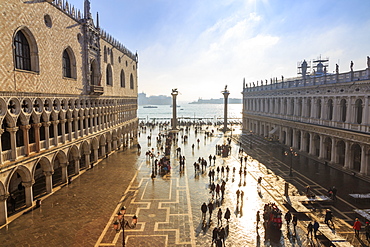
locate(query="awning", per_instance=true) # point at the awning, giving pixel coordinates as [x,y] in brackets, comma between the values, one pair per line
[273,131]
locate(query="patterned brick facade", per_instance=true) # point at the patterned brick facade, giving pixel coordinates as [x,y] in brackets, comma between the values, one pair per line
[59,110]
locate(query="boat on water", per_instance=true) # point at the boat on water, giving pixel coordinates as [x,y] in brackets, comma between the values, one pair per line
[150,106]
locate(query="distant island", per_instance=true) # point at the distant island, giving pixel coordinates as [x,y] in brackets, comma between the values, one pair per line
[154,100]
[217,101]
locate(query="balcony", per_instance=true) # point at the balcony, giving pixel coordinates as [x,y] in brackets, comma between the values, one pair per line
[96,90]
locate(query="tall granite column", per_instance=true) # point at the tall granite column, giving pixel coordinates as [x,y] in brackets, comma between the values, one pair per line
[174,108]
[226,95]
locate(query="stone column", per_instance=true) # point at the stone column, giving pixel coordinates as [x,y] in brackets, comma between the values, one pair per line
[55,129]
[63,122]
[114,143]
[288,140]
[347,160]
[96,155]
[174,109]
[312,144]
[109,142]
[334,152]
[36,127]
[13,142]
[47,136]
[3,209]
[49,181]
[1,149]
[26,139]
[102,150]
[77,164]
[76,122]
[28,192]
[81,126]
[363,159]
[87,125]
[87,158]
[226,94]
[70,120]
[64,172]
[303,141]
[322,149]
[295,139]
[91,119]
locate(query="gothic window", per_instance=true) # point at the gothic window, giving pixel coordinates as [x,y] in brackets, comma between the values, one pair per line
[358,111]
[330,109]
[69,64]
[22,52]
[343,110]
[111,57]
[108,75]
[105,54]
[66,65]
[131,82]
[25,51]
[122,79]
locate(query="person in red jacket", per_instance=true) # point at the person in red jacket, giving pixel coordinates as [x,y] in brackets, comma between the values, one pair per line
[357,227]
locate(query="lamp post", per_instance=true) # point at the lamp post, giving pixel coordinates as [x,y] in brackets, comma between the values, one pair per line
[250,139]
[121,223]
[292,154]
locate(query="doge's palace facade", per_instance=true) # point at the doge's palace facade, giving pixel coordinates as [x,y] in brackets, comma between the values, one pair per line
[324,115]
[68,97]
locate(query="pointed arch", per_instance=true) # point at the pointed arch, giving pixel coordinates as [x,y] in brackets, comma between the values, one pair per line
[25,50]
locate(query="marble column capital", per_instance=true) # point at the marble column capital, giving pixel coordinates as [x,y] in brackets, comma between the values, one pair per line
[28,184]
[12,129]
[46,124]
[37,125]
[48,173]
[25,127]
[4,197]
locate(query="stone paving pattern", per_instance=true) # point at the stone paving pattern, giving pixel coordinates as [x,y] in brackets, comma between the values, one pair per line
[168,207]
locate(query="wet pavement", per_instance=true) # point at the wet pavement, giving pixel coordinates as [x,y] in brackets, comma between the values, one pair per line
[168,206]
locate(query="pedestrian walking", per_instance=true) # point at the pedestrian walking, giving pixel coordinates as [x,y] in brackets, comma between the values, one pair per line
[309,229]
[328,217]
[357,226]
[334,191]
[294,222]
[210,159]
[218,188]
[316,227]
[214,159]
[222,235]
[258,218]
[214,235]
[210,209]
[367,231]
[237,195]
[219,216]
[245,159]
[288,217]
[227,215]
[204,208]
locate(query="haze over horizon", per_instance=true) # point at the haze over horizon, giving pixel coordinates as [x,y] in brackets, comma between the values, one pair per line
[201,46]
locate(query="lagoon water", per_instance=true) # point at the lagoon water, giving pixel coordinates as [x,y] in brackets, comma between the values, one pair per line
[209,111]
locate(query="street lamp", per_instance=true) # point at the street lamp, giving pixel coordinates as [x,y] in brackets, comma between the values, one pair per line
[292,154]
[121,223]
[250,139]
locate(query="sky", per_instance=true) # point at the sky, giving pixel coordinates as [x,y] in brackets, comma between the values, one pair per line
[199,46]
